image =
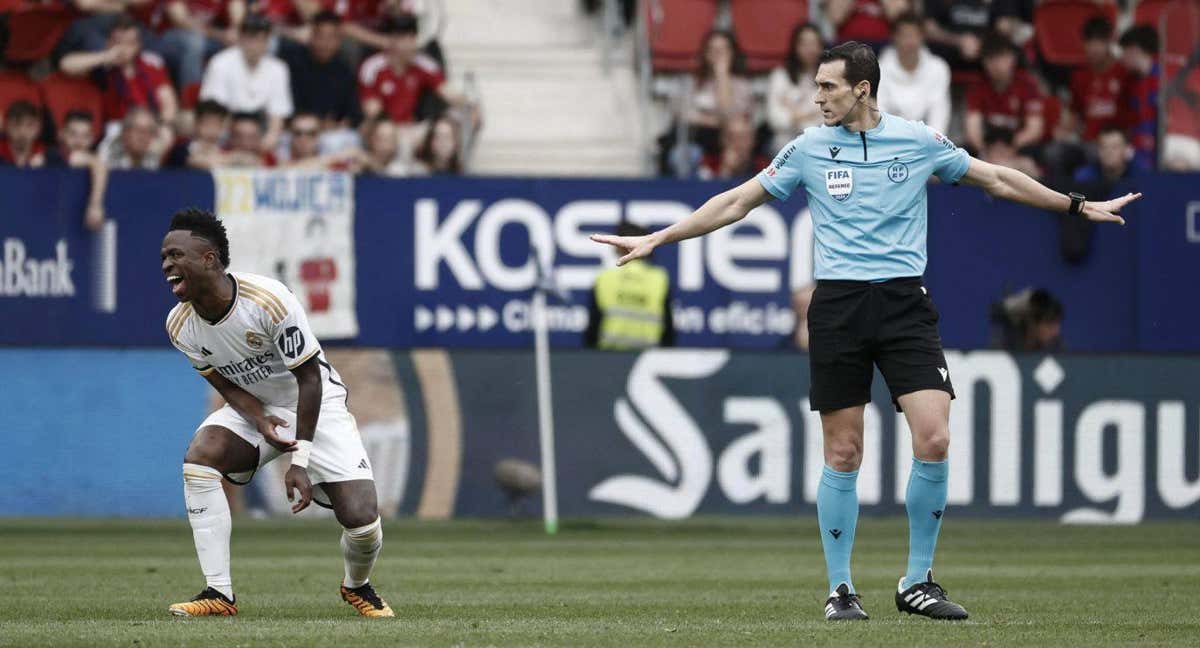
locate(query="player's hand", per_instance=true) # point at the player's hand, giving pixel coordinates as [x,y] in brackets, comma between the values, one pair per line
[1106,211]
[296,480]
[266,427]
[631,247]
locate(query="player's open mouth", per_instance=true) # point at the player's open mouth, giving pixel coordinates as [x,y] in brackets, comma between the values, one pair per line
[177,284]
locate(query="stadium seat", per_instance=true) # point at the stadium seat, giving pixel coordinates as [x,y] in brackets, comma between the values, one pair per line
[1057,25]
[1147,12]
[15,86]
[675,30]
[34,29]
[763,29]
[64,93]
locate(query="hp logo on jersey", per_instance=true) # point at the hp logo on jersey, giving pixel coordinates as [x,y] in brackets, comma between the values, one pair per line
[839,182]
[291,343]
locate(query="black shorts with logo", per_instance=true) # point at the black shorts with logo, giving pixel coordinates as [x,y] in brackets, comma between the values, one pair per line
[854,326]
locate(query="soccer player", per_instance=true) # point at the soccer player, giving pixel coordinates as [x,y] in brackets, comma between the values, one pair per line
[865,174]
[249,337]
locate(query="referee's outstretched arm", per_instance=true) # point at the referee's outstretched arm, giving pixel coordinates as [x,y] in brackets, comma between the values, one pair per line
[1011,184]
[720,210]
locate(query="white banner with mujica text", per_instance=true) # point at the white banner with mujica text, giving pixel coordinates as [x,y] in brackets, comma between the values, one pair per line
[298,227]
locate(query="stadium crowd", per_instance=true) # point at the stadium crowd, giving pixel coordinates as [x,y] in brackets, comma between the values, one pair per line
[971,69]
[352,85]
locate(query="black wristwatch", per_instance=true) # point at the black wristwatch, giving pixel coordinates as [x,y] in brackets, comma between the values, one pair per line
[1077,200]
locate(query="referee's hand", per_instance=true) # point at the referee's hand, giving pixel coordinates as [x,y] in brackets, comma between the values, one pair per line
[1106,211]
[631,247]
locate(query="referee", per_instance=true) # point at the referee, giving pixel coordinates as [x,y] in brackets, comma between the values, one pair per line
[865,173]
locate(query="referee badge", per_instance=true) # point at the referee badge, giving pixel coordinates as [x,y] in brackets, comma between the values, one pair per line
[839,182]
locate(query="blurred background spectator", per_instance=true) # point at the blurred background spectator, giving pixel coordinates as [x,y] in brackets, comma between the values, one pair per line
[1139,54]
[383,155]
[1030,320]
[1006,98]
[203,150]
[128,76]
[245,78]
[631,304]
[1105,178]
[736,157]
[246,134]
[22,146]
[1098,85]
[438,153]
[137,144]
[186,33]
[75,139]
[323,82]
[866,21]
[999,147]
[918,81]
[791,88]
[395,81]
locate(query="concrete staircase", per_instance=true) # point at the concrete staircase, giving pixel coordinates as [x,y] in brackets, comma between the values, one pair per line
[549,108]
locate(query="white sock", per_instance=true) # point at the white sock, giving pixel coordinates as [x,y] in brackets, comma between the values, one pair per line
[360,548]
[208,512]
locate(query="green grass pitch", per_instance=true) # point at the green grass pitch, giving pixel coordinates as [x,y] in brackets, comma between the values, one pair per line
[627,583]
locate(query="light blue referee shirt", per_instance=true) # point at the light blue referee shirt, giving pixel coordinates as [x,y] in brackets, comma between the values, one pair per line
[866,192]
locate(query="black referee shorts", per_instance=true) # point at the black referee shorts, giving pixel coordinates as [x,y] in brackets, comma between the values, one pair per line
[854,326]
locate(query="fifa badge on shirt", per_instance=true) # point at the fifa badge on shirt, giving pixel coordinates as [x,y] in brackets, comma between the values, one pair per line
[839,182]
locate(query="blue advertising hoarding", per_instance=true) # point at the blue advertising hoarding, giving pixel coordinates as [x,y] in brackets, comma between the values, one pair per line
[450,262]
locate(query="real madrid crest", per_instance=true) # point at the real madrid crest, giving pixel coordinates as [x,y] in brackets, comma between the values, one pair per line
[254,340]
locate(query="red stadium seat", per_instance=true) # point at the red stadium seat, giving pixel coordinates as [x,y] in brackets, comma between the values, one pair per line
[34,29]
[1057,25]
[15,86]
[675,30]
[64,93]
[1148,12]
[763,29]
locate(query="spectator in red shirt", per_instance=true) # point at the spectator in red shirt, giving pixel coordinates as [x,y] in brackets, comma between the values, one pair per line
[737,157]
[391,82]
[866,21]
[1139,53]
[21,146]
[127,75]
[1097,86]
[1006,98]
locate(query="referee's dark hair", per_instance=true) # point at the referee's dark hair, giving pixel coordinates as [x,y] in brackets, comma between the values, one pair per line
[861,64]
[202,223]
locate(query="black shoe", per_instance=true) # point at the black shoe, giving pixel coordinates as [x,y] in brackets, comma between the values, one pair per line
[928,599]
[844,606]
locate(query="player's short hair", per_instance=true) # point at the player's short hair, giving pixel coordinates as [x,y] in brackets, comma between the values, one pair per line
[908,18]
[208,107]
[203,223]
[78,115]
[1143,37]
[1097,28]
[404,24]
[996,44]
[861,64]
[21,110]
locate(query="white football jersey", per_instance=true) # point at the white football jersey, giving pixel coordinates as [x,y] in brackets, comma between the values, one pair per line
[256,344]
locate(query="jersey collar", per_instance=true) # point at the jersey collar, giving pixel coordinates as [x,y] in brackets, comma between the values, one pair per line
[883,117]
[229,309]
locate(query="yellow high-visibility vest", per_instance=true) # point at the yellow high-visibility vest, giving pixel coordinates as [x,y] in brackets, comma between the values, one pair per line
[632,300]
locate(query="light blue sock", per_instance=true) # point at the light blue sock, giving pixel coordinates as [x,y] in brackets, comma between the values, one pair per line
[837,514]
[926,501]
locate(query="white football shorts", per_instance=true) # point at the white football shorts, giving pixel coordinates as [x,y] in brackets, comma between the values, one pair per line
[337,451]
